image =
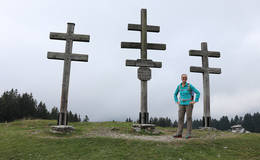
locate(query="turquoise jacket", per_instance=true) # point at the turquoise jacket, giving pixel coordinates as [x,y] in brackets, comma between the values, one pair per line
[186,94]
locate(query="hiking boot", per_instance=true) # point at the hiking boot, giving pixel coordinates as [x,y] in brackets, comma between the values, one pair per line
[187,136]
[177,136]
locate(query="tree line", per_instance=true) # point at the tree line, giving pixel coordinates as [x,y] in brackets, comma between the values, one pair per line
[251,122]
[14,106]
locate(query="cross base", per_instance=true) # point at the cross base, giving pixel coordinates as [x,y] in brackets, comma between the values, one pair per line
[145,128]
[143,118]
[206,121]
[62,129]
[62,115]
[207,129]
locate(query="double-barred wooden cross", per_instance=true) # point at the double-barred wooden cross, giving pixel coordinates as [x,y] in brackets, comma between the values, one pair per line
[144,64]
[205,70]
[68,56]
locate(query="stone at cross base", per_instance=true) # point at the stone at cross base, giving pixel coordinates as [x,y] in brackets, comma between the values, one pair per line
[68,56]
[62,129]
[144,64]
[205,70]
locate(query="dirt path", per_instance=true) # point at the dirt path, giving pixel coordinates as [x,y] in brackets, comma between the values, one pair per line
[167,137]
[114,134]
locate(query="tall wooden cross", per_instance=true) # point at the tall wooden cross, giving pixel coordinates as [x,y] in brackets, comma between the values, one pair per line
[68,56]
[144,64]
[205,70]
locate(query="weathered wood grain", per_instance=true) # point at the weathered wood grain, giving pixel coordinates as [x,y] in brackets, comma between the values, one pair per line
[67,57]
[205,70]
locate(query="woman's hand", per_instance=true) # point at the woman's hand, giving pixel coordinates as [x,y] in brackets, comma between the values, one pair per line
[178,102]
[192,102]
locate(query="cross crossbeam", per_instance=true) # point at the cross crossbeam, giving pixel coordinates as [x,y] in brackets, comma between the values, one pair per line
[136,45]
[205,70]
[72,57]
[143,63]
[68,56]
[73,37]
[138,27]
[207,53]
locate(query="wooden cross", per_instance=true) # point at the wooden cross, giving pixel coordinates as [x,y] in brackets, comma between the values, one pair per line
[205,70]
[68,56]
[144,64]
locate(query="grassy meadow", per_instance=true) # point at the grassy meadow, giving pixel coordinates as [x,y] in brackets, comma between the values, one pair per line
[32,139]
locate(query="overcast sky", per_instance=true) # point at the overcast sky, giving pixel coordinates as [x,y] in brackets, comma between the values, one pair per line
[104,88]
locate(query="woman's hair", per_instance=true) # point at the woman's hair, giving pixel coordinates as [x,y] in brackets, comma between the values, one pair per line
[184,75]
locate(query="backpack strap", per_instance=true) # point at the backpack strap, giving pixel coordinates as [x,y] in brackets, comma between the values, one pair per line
[191,92]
